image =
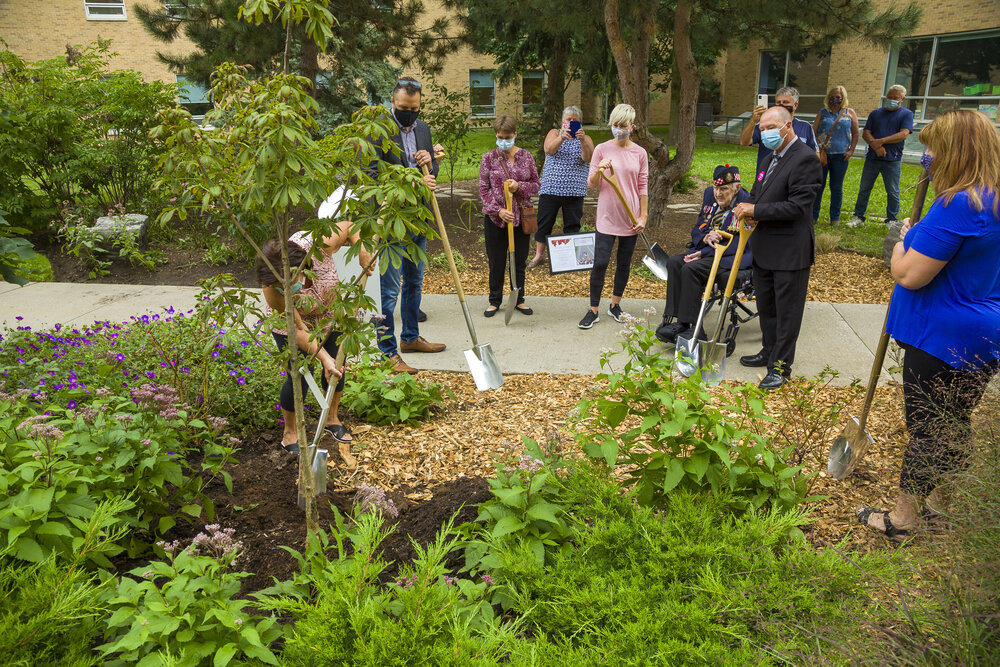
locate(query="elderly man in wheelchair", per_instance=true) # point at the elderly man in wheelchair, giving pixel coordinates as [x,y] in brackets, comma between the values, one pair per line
[687,272]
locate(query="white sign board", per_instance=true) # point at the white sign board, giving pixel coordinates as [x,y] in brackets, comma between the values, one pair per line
[571,252]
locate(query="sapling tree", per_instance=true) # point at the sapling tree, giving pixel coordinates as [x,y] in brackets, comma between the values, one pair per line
[259,163]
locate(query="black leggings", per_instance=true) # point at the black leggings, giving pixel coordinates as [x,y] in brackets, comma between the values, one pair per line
[602,257]
[939,401]
[287,395]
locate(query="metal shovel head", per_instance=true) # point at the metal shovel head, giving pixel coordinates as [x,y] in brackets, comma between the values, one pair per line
[484,367]
[686,355]
[508,308]
[656,261]
[847,450]
[713,361]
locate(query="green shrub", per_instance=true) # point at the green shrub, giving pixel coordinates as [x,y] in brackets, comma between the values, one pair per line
[17,255]
[343,616]
[183,609]
[380,396]
[58,465]
[673,434]
[440,261]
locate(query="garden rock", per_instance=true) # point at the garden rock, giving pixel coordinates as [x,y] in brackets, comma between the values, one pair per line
[135,225]
[891,237]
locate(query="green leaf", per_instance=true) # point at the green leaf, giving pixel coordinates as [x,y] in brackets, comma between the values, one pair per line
[40,500]
[192,510]
[28,549]
[675,473]
[543,511]
[697,465]
[615,414]
[513,497]
[507,525]
[609,449]
[225,654]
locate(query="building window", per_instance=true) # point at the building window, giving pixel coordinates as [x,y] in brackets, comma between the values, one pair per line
[482,93]
[807,71]
[105,10]
[946,72]
[532,85]
[175,10]
[193,96]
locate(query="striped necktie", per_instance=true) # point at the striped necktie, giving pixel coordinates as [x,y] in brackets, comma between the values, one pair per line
[770,170]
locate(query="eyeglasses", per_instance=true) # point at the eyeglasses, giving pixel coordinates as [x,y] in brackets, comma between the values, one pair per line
[408,82]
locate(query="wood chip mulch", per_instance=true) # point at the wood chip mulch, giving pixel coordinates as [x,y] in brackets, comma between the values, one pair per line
[836,277]
[474,430]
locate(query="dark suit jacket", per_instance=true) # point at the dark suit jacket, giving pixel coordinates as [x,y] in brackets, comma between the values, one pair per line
[423,134]
[785,239]
[704,225]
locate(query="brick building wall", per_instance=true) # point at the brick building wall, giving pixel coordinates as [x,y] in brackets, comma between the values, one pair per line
[857,65]
[41,29]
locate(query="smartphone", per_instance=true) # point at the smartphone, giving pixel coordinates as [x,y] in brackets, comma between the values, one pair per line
[574,125]
[762,100]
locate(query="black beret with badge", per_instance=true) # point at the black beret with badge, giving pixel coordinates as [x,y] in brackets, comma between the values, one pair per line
[725,174]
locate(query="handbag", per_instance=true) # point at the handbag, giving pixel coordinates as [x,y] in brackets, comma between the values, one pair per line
[827,137]
[529,216]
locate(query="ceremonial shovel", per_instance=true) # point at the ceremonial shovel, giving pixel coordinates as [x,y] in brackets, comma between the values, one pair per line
[482,362]
[511,304]
[713,353]
[851,445]
[656,257]
[687,352]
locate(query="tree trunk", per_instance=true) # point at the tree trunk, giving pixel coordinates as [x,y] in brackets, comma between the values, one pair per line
[309,61]
[555,94]
[632,63]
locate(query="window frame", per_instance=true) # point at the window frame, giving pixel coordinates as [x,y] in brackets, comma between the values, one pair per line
[533,108]
[174,10]
[181,80]
[483,110]
[788,65]
[920,103]
[94,4]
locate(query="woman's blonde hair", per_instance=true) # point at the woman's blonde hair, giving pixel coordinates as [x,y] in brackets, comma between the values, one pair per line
[843,94]
[966,148]
[623,114]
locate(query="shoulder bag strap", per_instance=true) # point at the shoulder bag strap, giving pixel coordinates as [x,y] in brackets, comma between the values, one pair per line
[829,133]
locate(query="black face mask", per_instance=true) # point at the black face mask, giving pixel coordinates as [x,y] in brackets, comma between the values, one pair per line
[406,117]
[787,108]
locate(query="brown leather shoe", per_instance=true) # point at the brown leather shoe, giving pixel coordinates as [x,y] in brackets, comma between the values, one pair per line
[401,366]
[420,344]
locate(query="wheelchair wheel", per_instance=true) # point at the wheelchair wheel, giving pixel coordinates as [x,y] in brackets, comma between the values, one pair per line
[730,347]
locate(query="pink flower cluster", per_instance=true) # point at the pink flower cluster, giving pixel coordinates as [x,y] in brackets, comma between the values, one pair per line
[371,498]
[39,430]
[216,541]
[160,397]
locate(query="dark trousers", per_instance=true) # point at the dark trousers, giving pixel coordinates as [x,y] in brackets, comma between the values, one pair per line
[496,254]
[287,395]
[939,401]
[686,286]
[602,257]
[781,300]
[549,205]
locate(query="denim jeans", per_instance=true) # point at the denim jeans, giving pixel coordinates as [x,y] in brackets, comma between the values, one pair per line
[836,167]
[412,278]
[890,170]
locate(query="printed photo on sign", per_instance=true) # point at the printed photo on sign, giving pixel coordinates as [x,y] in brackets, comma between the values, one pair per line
[571,252]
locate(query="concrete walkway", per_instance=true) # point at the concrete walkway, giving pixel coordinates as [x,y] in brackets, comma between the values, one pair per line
[843,336]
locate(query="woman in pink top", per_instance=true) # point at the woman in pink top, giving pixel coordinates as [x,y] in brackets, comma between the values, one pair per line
[631,165]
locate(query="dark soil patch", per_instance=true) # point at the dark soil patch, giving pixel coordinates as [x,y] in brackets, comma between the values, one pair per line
[263,509]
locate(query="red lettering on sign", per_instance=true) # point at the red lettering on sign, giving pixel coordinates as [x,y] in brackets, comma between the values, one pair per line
[560,241]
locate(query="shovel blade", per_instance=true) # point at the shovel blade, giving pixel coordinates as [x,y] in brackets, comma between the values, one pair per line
[686,356]
[484,367]
[847,450]
[713,362]
[508,308]
[656,261]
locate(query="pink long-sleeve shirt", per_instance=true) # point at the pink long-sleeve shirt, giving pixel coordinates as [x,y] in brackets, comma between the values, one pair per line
[492,176]
[632,171]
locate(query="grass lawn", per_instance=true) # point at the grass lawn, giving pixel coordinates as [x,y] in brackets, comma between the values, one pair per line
[867,239]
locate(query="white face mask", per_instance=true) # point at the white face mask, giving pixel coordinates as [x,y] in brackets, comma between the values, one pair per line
[620,133]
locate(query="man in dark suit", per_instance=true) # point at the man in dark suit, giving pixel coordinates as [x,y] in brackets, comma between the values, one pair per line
[783,249]
[688,272]
[415,150]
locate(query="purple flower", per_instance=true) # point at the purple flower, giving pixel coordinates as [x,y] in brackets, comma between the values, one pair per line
[120,357]
[71,405]
[241,380]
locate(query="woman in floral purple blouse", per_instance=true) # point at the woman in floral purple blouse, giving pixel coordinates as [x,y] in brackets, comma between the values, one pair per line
[524,185]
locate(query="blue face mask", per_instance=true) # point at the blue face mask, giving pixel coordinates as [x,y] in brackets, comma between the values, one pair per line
[621,134]
[771,138]
[505,144]
[295,288]
[891,104]
[926,161]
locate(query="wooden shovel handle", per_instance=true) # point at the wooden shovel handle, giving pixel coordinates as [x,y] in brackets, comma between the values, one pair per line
[509,198]
[444,241]
[741,245]
[719,250]
[618,191]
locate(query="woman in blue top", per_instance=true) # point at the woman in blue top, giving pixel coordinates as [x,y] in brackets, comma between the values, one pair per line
[945,310]
[564,180]
[836,128]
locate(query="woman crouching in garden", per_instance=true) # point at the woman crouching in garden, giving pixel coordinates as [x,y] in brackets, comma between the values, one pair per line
[631,166]
[945,310]
[312,297]
[516,167]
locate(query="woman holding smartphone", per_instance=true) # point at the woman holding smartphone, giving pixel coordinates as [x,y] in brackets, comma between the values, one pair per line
[631,166]
[564,179]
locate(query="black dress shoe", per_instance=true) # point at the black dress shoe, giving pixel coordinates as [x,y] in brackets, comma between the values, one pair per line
[421,316]
[772,380]
[668,332]
[754,360]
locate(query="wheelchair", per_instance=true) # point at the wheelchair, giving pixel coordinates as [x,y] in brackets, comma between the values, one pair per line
[739,311]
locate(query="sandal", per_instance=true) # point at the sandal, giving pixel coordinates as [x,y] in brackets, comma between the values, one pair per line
[291,448]
[534,263]
[525,310]
[339,431]
[891,531]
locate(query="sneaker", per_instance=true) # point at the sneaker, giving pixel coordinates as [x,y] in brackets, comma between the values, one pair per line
[615,312]
[588,320]
[855,222]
